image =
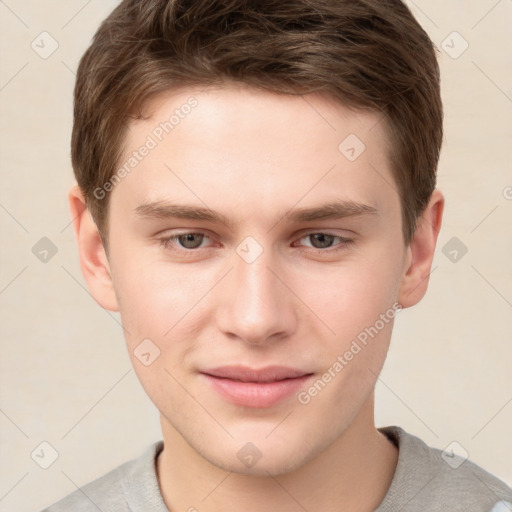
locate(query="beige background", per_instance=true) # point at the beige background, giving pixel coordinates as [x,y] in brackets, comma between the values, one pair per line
[65,375]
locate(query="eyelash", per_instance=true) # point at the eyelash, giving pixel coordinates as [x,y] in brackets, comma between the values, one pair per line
[167,243]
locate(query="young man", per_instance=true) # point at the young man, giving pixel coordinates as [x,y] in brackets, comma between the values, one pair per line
[256,197]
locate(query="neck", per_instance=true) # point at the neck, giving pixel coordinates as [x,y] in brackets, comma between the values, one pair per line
[353,473]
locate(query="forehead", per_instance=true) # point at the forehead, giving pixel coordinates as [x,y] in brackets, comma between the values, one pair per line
[238,110]
[255,150]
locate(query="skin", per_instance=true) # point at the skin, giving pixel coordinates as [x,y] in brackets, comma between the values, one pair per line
[253,156]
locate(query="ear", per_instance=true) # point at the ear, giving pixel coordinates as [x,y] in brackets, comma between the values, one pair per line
[93,259]
[420,252]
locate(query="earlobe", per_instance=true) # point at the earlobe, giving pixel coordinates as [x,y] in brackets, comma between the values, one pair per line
[420,252]
[93,259]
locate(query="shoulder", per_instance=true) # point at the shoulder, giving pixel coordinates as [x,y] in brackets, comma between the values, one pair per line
[117,490]
[429,479]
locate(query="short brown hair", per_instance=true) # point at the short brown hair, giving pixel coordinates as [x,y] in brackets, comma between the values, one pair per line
[366,54]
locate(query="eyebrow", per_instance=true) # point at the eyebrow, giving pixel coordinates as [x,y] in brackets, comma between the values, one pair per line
[329,211]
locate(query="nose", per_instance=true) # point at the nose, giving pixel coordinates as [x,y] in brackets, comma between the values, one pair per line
[256,307]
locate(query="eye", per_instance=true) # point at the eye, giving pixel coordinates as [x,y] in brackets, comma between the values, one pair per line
[184,241]
[189,242]
[325,241]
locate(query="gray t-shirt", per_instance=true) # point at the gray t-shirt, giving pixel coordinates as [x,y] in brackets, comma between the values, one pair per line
[425,480]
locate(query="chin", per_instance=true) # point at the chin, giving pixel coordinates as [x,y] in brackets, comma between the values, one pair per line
[267,466]
[261,457]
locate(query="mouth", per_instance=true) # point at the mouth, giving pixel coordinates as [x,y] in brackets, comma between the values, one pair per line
[257,388]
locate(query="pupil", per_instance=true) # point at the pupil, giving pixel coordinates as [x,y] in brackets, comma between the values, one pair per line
[189,240]
[323,240]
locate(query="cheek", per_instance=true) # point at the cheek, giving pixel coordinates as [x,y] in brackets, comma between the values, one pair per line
[153,298]
[351,296]
[158,305]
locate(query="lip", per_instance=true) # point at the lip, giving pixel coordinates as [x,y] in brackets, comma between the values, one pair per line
[258,388]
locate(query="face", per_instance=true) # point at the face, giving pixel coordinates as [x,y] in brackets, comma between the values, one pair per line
[256,231]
